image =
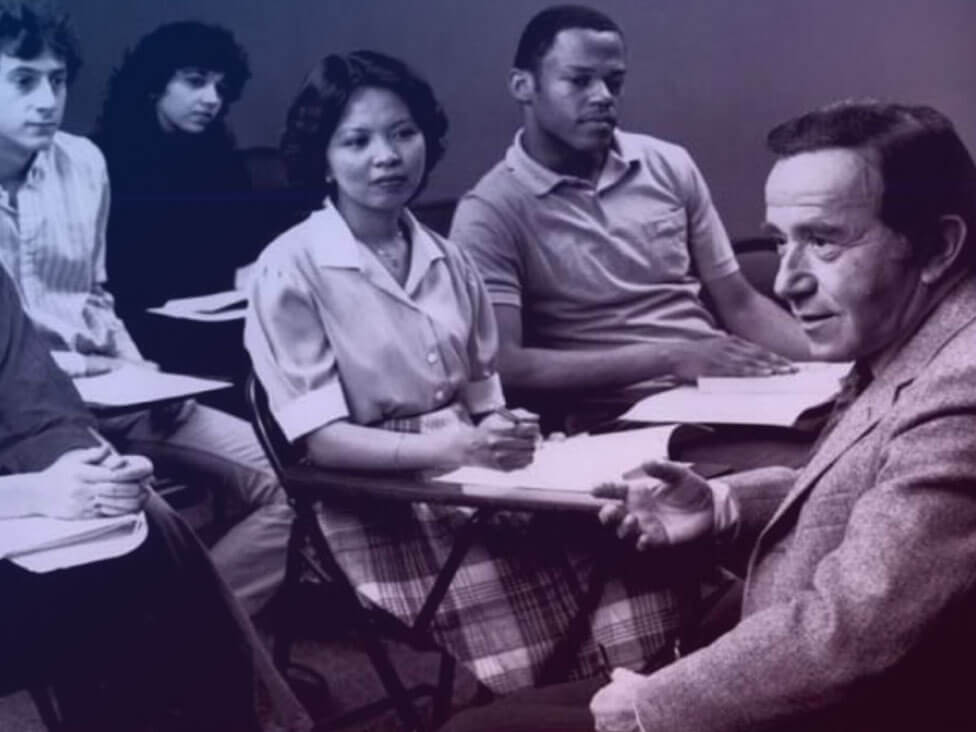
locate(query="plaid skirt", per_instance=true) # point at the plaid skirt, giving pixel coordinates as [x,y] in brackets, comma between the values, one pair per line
[516,591]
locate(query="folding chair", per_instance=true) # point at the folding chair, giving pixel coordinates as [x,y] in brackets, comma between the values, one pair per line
[308,550]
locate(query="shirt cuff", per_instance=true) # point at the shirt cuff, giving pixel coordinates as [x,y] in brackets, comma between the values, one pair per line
[484,395]
[72,363]
[505,297]
[722,269]
[726,510]
[308,412]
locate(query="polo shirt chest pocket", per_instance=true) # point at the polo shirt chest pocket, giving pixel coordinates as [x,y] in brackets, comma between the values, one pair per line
[665,243]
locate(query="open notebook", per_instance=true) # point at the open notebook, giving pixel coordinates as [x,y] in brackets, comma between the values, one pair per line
[43,544]
[578,463]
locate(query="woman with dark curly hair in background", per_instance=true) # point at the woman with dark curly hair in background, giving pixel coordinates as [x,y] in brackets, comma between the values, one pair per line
[376,342]
[181,221]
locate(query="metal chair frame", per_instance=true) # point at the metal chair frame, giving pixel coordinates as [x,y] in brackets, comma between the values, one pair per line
[309,550]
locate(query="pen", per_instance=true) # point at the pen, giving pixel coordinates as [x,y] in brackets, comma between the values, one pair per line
[606,668]
[119,461]
[510,415]
[517,420]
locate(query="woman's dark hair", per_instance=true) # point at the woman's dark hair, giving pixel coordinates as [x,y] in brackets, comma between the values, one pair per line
[28,28]
[129,108]
[315,113]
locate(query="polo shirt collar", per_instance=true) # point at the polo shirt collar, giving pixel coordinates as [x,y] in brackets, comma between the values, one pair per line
[540,180]
[343,251]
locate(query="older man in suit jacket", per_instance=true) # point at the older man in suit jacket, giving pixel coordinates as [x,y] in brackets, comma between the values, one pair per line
[859,598]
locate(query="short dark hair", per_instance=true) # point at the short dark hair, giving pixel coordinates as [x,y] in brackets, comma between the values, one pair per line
[541,31]
[926,170]
[316,110]
[147,68]
[28,28]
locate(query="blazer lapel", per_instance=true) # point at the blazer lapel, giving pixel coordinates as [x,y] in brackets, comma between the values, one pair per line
[859,419]
[956,310]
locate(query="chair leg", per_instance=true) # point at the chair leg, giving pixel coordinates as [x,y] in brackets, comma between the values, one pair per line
[44,703]
[392,684]
[284,635]
[444,694]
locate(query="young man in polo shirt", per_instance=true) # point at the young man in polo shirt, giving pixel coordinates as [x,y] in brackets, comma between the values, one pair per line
[595,243]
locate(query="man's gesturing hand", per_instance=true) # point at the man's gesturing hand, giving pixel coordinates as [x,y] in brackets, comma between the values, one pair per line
[670,506]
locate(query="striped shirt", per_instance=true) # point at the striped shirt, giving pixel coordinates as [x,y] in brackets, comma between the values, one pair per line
[52,243]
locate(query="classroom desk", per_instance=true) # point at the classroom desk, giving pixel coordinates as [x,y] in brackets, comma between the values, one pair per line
[742,447]
[306,482]
[412,488]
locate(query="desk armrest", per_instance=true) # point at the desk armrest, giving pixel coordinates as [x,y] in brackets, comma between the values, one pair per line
[310,483]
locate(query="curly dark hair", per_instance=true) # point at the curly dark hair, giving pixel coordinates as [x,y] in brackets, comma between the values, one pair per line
[315,113]
[130,101]
[28,28]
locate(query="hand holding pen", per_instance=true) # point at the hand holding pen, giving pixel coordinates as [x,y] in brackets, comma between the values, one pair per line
[506,439]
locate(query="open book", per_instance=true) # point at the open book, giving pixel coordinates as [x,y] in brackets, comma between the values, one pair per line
[42,544]
[578,463]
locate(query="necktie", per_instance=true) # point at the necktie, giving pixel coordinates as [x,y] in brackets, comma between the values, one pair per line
[851,387]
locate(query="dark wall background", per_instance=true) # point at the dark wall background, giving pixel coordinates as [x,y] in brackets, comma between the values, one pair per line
[713,75]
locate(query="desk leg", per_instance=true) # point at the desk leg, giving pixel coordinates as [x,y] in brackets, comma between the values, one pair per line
[554,669]
[446,574]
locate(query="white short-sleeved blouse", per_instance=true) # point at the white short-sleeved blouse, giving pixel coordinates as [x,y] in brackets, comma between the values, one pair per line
[333,336]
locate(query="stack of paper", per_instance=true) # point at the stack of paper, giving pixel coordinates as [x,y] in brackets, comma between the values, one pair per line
[133,385]
[578,463]
[221,306]
[763,400]
[42,544]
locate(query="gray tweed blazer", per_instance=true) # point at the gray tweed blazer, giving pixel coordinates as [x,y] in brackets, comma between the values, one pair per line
[859,610]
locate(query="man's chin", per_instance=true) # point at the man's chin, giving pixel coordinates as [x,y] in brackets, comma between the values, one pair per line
[830,351]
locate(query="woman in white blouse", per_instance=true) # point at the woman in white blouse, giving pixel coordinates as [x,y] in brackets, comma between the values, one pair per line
[376,342]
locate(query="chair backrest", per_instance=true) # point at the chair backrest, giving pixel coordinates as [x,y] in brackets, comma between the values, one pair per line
[758,261]
[436,214]
[280,452]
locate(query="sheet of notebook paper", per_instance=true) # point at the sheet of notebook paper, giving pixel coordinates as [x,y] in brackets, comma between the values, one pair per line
[578,463]
[765,400]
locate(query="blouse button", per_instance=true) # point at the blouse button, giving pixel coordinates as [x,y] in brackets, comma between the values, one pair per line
[432,357]
[439,394]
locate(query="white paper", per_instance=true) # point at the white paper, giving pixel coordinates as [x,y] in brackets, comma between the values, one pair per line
[131,385]
[818,379]
[764,400]
[220,306]
[43,544]
[579,463]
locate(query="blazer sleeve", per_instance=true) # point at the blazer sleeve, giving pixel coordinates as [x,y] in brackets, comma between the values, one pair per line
[905,564]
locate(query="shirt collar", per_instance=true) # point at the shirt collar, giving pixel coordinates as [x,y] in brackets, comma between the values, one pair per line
[337,246]
[40,166]
[622,158]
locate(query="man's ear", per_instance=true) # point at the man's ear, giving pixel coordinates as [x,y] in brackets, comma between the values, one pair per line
[951,239]
[521,85]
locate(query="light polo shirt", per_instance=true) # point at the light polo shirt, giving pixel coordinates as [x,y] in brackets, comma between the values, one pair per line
[591,266]
[333,336]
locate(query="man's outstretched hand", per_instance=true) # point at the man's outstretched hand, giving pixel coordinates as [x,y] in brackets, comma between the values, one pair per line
[671,505]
